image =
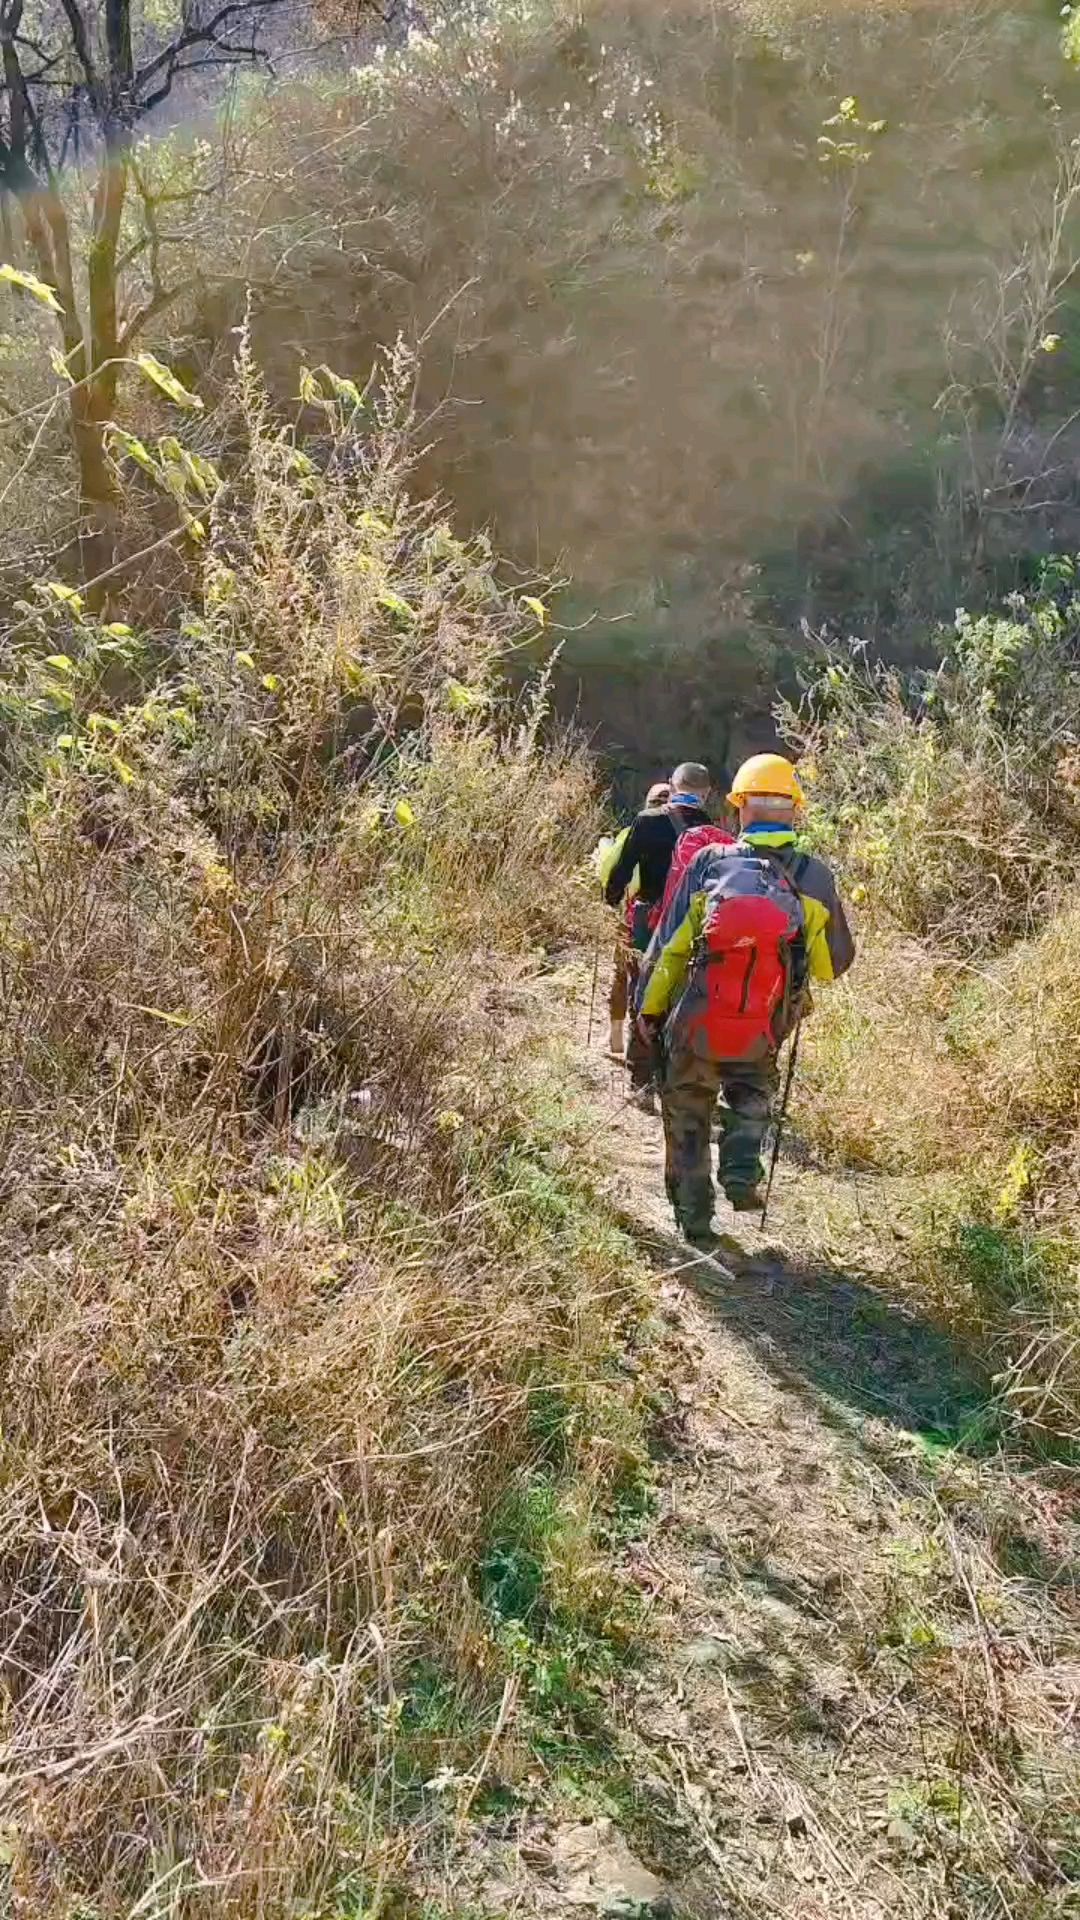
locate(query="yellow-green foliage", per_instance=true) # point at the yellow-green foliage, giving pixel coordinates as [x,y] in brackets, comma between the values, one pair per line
[880,1087]
[963,1081]
[1021,1023]
[949,800]
[303,1278]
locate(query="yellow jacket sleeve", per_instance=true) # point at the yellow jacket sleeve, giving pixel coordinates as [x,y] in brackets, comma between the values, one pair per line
[606,855]
[819,963]
[672,961]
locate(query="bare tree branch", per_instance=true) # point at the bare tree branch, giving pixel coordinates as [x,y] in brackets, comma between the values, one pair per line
[205,34]
[76,89]
[81,43]
[164,298]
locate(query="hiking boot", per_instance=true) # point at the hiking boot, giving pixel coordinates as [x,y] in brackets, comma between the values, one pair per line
[745,1199]
[702,1239]
[643,1098]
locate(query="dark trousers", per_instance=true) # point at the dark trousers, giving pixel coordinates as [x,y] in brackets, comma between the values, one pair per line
[690,1089]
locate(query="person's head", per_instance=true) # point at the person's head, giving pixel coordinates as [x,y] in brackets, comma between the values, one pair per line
[658,795]
[766,790]
[691,783]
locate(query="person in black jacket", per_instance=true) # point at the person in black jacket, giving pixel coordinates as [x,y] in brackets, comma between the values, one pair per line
[650,844]
[648,848]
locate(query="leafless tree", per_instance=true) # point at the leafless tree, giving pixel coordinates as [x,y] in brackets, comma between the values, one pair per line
[81,81]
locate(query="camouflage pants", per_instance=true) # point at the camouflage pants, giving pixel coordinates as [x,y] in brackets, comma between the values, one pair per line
[690,1090]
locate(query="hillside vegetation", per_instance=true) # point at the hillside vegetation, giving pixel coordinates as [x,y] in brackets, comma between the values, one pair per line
[357,1477]
[950,798]
[738,317]
[309,1312]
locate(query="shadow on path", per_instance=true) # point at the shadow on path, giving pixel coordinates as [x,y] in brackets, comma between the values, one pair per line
[866,1363]
[847,1342]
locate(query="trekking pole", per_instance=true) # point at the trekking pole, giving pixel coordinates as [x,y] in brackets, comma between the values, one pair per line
[780,1118]
[592,995]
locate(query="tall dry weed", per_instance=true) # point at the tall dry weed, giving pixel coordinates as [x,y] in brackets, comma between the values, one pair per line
[949,800]
[881,1088]
[294,1235]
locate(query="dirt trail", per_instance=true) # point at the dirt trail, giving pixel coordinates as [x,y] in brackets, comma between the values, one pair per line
[868,1703]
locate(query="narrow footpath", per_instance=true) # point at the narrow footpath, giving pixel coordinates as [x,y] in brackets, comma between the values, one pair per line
[867,1703]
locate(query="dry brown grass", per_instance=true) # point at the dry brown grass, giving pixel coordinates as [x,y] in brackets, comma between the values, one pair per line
[660,335]
[297,1236]
[610,227]
[948,800]
[1022,1022]
[881,1088]
[959,1082]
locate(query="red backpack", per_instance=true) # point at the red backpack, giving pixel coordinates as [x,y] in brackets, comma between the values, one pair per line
[687,845]
[749,965]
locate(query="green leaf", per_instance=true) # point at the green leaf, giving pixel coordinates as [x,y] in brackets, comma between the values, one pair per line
[404,814]
[395,604]
[244,660]
[203,473]
[197,472]
[535,607]
[119,630]
[168,383]
[30,283]
[342,389]
[161,1013]
[271,682]
[59,365]
[135,449]
[65,741]
[1050,343]
[464,699]
[61,661]
[921,1635]
[67,594]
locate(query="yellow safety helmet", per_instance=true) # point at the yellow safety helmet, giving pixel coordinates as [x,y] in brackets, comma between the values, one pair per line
[766,773]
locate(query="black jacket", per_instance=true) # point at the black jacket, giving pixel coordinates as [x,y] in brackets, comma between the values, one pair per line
[649,846]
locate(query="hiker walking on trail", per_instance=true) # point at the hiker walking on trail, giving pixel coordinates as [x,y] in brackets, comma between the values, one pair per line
[627,957]
[726,980]
[647,854]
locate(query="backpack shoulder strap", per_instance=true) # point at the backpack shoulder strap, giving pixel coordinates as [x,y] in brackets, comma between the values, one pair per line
[791,876]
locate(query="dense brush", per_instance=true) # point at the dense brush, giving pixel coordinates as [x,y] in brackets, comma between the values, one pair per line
[295,1234]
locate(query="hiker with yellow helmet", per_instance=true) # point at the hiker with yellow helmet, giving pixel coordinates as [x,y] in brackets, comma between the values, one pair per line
[727,979]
